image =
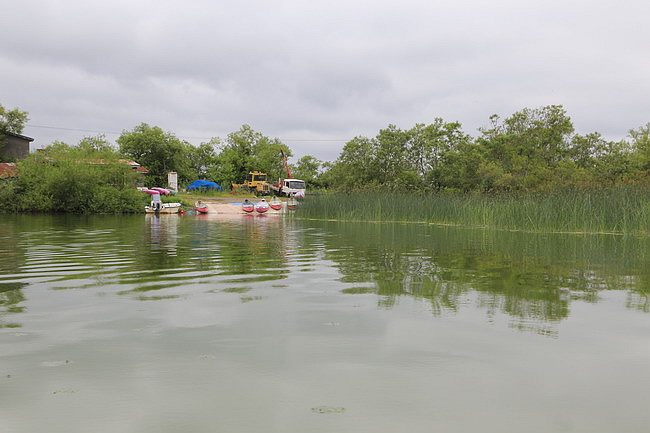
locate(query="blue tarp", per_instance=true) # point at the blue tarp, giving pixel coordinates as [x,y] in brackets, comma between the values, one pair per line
[204,184]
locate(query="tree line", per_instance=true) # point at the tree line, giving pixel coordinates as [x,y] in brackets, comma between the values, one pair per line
[533,149]
[160,152]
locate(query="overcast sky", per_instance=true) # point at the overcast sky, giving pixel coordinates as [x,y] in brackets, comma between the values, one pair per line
[320,70]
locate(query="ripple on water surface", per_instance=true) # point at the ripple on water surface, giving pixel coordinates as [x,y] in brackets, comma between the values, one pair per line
[319,326]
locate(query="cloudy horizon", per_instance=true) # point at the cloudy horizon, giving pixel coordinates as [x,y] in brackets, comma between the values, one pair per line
[315,74]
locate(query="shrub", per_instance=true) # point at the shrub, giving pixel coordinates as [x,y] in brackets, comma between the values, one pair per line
[72,181]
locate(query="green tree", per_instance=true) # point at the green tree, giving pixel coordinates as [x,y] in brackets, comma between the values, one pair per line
[267,157]
[202,159]
[430,148]
[248,150]
[615,163]
[12,120]
[355,166]
[594,159]
[97,144]
[522,151]
[308,168]
[459,167]
[399,159]
[641,146]
[158,151]
[392,156]
[57,146]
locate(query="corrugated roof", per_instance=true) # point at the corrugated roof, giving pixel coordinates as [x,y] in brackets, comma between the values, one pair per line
[8,169]
[24,137]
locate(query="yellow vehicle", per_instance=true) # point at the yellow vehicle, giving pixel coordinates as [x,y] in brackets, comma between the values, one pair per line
[256,183]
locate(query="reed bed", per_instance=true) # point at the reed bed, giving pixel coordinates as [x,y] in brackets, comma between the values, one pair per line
[624,210]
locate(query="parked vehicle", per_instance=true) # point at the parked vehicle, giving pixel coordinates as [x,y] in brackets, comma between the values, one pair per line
[289,187]
[255,182]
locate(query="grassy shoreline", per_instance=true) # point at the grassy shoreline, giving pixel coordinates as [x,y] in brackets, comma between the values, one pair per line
[616,210]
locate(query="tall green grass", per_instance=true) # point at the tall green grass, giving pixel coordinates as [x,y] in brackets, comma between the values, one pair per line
[607,210]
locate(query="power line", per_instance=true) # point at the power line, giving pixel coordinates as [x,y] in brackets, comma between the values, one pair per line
[180,136]
[72,129]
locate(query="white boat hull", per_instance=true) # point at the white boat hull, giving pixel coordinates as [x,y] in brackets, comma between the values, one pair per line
[165,208]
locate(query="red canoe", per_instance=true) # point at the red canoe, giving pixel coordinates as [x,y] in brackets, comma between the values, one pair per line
[247,206]
[275,203]
[201,207]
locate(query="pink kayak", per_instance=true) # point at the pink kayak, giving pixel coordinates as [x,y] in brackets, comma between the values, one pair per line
[162,190]
[262,206]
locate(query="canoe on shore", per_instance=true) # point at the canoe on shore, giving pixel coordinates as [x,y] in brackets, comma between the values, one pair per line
[248,206]
[275,203]
[262,206]
[201,207]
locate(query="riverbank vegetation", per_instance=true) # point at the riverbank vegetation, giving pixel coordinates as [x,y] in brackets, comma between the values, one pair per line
[83,179]
[577,210]
[530,171]
[532,150]
[221,161]
[516,173]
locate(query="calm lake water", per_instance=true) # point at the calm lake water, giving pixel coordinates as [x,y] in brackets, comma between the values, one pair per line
[191,324]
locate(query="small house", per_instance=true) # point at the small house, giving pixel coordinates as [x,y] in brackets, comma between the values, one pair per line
[15,146]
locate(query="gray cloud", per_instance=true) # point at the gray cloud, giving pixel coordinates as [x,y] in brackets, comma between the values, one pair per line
[320,70]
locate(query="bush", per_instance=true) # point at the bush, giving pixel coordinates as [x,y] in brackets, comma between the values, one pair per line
[72,181]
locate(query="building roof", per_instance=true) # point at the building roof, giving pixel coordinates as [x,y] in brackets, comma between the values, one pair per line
[137,167]
[8,169]
[134,165]
[24,137]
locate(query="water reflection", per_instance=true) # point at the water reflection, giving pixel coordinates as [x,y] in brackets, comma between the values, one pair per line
[152,258]
[318,326]
[532,278]
[11,297]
